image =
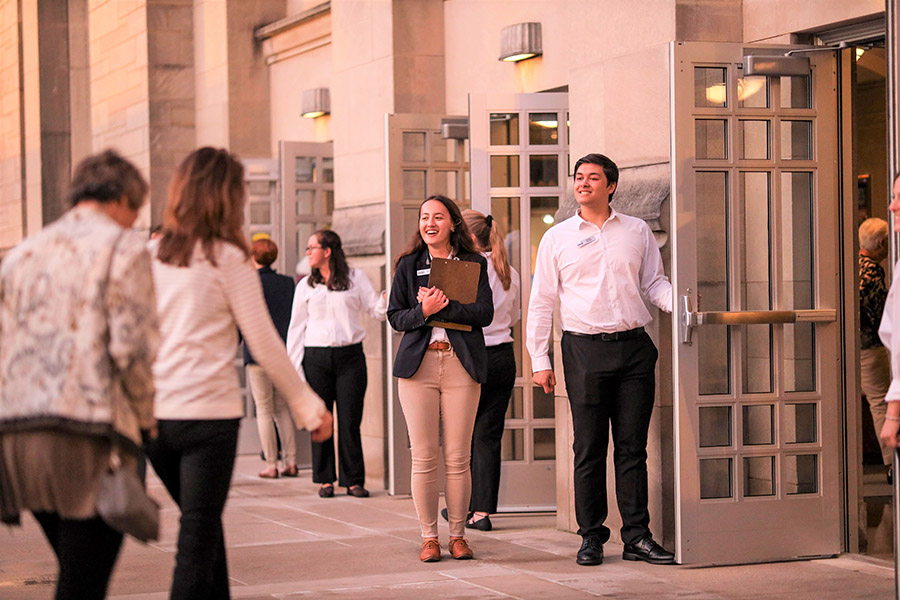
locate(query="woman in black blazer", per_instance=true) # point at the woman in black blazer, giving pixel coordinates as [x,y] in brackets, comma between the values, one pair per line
[440,369]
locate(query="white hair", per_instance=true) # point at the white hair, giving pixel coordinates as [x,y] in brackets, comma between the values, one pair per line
[871,233]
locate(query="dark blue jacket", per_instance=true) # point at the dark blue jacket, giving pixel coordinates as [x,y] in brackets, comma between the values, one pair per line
[279,293]
[405,314]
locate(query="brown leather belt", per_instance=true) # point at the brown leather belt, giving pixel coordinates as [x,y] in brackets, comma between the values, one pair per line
[444,346]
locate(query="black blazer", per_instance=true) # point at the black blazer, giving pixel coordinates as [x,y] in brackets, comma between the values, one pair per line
[279,293]
[405,314]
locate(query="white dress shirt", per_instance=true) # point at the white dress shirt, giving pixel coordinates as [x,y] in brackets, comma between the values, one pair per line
[200,310]
[890,340]
[507,306]
[601,277]
[325,318]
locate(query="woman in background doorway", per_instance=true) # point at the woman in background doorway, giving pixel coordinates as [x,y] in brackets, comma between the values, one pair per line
[890,321]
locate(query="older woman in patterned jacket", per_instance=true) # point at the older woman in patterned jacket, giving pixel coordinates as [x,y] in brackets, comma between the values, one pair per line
[78,336]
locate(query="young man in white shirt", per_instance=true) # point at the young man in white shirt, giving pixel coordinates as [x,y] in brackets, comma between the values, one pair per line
[602,266]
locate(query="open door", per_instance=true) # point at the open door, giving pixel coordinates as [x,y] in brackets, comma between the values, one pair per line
[757,358]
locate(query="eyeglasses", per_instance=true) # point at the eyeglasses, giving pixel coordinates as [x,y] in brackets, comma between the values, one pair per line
[311,248]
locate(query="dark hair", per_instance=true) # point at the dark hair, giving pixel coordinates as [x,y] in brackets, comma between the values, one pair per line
[206,204]
[264,251]
[106,177]
[460,238]
[337,263]
[609,168]
[490,239]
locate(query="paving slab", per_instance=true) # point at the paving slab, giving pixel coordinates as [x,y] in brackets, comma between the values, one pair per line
[284,542]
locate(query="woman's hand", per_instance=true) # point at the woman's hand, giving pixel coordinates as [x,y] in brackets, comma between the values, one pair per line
[420,295]
[433,301]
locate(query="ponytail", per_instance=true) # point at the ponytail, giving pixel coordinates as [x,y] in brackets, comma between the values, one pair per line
[489,239]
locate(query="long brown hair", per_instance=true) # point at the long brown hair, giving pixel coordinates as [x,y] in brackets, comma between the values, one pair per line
[339,280]
[206,204]
[460,240]
[489,239]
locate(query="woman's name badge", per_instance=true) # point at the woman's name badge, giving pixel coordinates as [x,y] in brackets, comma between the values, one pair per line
[421,272]
[587,241]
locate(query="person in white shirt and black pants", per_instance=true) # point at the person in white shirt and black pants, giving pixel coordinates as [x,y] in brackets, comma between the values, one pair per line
[602,266]
[324,342]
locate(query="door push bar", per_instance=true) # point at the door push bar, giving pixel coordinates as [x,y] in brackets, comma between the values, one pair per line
[691,319]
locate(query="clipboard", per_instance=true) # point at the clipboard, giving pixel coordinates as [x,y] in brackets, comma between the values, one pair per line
[458,279]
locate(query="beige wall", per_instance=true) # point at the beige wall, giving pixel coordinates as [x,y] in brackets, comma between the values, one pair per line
[211,73]
[11,184]
[767,19]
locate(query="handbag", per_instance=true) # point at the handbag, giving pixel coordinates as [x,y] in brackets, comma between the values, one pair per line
[122,501]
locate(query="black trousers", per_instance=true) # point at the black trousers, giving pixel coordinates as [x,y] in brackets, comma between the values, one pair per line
[86,551]
[610,386]
[339,376]
[489,421]
[195,461]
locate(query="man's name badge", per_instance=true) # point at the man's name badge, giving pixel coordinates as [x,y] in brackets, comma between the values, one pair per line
[587,241]
[421,272]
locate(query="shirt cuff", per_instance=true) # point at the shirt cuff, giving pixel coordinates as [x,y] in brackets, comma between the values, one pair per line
[541,363]
[893,393]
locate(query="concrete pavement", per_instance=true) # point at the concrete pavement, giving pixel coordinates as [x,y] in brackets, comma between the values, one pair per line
[285,542]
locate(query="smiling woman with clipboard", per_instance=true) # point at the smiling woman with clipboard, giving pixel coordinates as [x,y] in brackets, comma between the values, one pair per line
[441,363]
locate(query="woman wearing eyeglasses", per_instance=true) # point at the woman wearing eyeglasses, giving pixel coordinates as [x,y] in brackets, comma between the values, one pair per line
[325,344]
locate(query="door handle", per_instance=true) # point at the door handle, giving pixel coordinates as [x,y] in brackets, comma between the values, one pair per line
[691,319]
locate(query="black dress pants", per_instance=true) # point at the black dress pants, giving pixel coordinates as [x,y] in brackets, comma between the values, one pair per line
[86,550]
[339,376]
[489,421]
[195,461]
[610,385]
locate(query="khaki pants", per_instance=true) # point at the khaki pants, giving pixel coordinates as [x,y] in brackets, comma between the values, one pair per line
[271,405]
[875,379]
[441,398]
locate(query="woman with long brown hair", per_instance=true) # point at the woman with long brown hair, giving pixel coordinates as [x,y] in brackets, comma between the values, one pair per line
[440,369]
[206,290]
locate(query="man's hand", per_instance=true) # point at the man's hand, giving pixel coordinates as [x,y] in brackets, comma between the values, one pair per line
[323,431]
[889,433]
[545,379]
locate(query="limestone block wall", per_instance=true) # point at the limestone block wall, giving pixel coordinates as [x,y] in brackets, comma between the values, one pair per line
[12,213]
[773,20]
[210,19]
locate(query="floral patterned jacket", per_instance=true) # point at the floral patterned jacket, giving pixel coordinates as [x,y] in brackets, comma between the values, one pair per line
[872,294]
[76,351]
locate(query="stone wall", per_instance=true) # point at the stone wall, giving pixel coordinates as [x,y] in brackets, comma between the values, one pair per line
[12,217]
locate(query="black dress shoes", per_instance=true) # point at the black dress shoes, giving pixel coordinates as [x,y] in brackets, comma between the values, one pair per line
[591,551]
[482,524]
[357,491]
[649,551]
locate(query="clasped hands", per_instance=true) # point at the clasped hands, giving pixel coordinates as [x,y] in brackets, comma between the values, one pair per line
[432,300]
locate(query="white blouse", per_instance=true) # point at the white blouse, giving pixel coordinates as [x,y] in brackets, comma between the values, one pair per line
[200,309]
[890,338]
[325,318]
[507,306]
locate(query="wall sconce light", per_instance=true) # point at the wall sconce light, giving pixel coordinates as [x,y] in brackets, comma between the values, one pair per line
[520,42]
[315,103]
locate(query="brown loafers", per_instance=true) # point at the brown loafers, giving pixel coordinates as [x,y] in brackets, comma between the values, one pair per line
[459,549]
[290,471]
[271,473]
[431,550]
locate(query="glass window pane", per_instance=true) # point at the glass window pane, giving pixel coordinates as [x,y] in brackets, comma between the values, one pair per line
[304,169]
[329,201]
[512,445]
[542,207]
[442,150]
[801,474]
[709,87]
[753,92]
[756,364]
[505,211]
[715,426]
[800,357]
[795,92]
[410,221]
[544,444]
[504,129]
[711,138]
[543,129]
[445,183]
[259,188]
[516,409]
[800,425]
[754,190]
[505,170]
[304,204]
[715,478]
[797,240]
[543,170]
[327,169]
[413,146]
[260,213]
[796,140]
[414,184]
[713,342]
[759,476]
[542,403]
[754,138]
[758,424]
